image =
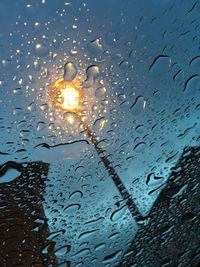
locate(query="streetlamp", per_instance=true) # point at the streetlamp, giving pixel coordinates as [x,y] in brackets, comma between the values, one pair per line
[67,96]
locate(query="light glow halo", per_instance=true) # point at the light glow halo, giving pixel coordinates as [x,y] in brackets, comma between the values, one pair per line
[66,96]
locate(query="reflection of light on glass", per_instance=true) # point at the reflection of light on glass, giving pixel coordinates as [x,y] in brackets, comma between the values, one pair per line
[66,96]
[38,46]
[70,98]
[144,104]
[102,124]
[70,119]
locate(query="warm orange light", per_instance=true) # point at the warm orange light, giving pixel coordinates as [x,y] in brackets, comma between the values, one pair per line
[70,119]
[66,95]
[70,98]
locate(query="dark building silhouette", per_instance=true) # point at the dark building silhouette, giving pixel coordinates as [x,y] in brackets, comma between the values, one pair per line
[169,236]
[23,226]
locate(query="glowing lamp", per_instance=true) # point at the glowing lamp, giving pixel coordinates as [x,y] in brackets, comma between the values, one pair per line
[66,95]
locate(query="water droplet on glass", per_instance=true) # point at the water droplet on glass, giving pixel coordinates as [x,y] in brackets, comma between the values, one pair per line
[17,91]
[101,91]
[70,117]
[92,73]
[44,107]
[70,71]
[160,66]
[37,26]
[139,147]
[36,65]
[18,111]
[31,107]
[62,250]
[112,257]
[87,234]
[124,64]
[41,50]
[99,124]
[195,63]
[100,246]
[9,172]
[139,105]
[76,195]
[119,213]
[73,51]
[192,85]
[95,46]
[73,208]
[41,126]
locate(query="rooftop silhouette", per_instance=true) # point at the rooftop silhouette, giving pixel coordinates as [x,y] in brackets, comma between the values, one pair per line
[169,235]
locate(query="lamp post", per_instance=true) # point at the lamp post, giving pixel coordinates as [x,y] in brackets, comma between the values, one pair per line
[67,97]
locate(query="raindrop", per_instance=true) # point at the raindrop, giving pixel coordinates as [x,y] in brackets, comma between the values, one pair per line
[18,111]
[100,246]
[119,213]
[82,252]
[101,91]
[53,235]
[73,51]
[99,124]
[72,208]
[41,126]
[95,46]
[124,64]
[112,257]
[44,107]
[87,234]
[9,171]
[45,73]
[195,63]
[70,117]
[95,221]
[17,91]
[160,66]
[31,107]
[114,236]
[55,44]
[36,65]
[37,26]
[192,85]
[181,191]
[92,73]
[62,250]
[41,50]
[188,217]
[153,180]
[139,105]
[7,63]
[75,195]
[139,147]
[70,71]
[140,129]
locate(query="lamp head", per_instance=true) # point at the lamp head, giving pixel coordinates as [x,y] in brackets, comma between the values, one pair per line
[66,96]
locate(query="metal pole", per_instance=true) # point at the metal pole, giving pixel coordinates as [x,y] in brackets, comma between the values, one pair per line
[112,173]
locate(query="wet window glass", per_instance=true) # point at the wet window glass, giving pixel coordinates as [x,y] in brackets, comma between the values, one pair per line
[100,133]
